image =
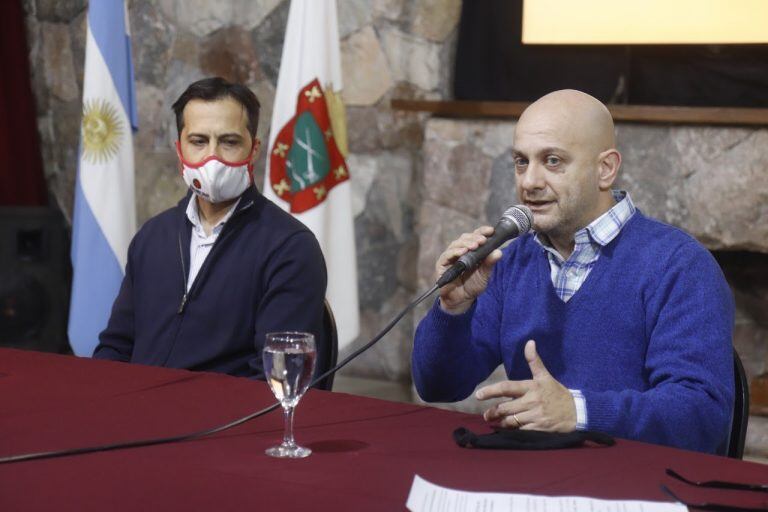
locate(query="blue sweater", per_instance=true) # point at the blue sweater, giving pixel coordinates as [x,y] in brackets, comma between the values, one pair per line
[647,338]
[264,273]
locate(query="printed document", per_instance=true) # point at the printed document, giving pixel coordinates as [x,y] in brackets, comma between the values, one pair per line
[428,497]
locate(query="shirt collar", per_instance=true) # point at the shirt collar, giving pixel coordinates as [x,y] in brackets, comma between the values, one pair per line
[603,229]
[606,227]
[194,217]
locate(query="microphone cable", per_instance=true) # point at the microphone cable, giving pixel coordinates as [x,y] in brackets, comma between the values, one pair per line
[215,430]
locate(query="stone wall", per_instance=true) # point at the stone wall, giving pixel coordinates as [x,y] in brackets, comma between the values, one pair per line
[390,48]
[712,182]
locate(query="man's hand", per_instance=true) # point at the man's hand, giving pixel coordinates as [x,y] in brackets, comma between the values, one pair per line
[538,404]
[457,297]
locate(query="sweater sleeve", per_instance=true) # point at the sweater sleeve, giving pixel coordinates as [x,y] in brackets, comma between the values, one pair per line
[295,281]
[116,341]
[452,354]
[689,363]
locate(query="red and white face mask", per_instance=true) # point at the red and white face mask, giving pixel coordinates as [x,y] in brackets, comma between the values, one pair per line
[217,180]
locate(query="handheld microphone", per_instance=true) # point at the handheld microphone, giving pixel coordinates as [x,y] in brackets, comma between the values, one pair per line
[516,221]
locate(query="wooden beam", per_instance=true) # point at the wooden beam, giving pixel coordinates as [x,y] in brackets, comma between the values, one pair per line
[630,113]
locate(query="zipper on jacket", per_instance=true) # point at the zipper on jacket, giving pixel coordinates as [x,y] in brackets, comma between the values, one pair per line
[183,303]
[184,276]
[188,294]
[226,231]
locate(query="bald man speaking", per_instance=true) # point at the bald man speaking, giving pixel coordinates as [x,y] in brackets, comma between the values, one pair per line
[603,318]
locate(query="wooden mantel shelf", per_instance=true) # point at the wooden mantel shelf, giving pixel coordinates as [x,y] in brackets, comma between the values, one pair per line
[631,113]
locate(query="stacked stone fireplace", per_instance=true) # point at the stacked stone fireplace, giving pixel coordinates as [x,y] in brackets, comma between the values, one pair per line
[712,182]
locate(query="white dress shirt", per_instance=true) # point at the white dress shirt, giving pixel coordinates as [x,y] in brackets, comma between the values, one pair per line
[200,244]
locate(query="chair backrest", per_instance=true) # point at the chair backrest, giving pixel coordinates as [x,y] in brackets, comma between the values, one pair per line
[740,410]
[331,339]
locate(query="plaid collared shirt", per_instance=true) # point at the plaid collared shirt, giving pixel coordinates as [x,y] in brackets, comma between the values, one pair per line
[568,275]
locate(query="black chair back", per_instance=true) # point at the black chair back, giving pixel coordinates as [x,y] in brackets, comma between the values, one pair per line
[331,338]
[740,410]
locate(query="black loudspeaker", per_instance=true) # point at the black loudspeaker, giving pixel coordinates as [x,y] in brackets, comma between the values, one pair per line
[35,277]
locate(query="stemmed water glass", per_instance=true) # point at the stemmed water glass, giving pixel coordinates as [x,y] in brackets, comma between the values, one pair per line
[289,363]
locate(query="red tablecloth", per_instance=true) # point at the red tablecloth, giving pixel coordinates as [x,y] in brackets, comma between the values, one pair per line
[366,451]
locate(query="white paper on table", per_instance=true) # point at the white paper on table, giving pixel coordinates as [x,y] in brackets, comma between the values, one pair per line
[428,497]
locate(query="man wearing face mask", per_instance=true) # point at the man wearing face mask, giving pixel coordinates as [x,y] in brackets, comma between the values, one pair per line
[206,280]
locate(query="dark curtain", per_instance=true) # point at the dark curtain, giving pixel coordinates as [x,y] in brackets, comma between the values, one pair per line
[493,64]
[21,171]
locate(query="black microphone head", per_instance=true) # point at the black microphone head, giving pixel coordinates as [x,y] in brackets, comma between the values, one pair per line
[520,215]
[516,221]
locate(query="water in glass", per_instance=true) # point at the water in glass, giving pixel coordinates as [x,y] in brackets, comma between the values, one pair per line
[289,363]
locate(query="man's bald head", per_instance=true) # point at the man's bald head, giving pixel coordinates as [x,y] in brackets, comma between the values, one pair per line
[573,116]
[565,163]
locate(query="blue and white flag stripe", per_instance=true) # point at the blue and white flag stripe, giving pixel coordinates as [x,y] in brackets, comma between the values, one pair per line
[112,35]
[104,219]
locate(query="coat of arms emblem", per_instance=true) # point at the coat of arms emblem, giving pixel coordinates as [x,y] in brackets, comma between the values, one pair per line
[306,161]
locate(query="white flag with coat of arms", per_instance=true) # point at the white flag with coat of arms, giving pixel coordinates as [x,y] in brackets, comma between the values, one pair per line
[307,174]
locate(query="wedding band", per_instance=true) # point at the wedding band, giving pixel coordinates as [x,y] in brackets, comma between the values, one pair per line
[514,417]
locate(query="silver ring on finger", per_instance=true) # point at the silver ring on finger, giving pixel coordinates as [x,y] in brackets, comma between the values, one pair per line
[519,423]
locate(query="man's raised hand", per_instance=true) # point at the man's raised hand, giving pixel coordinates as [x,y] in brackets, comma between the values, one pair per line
[541,403]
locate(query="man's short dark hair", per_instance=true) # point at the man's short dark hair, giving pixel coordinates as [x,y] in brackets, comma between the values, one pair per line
[215,88]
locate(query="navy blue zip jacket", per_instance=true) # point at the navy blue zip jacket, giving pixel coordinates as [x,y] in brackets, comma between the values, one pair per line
[264,273]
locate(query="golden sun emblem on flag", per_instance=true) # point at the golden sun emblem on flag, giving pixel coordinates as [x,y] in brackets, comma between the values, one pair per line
[101,131]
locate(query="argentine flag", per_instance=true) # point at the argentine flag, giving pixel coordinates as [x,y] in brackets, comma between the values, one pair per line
[104,218]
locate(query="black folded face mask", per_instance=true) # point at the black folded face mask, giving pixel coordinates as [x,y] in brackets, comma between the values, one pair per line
[515,439]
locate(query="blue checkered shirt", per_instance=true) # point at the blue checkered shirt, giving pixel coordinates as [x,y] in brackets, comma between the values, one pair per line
[568,275]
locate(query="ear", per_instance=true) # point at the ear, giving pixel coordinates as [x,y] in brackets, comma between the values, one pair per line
[608,167]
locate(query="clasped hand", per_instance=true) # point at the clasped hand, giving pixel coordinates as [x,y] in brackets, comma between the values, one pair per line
[541,403]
